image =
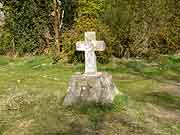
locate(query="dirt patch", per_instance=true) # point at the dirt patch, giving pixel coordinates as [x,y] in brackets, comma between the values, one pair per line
[125,77]
[161,113]
[170,88]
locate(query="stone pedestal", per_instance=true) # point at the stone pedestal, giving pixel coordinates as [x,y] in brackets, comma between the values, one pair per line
[97,88]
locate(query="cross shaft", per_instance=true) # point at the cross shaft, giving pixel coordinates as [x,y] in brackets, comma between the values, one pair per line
[89,46]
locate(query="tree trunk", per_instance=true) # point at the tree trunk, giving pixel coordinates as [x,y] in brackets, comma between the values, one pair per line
[56,28]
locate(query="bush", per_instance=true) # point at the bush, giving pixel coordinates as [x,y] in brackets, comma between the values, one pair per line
[82,25]
[27,22]
[130,28]
[6,44]
[143,28]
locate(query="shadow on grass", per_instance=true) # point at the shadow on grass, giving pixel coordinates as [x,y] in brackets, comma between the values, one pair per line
[63,133]
[119,102]
[163,99]
[161,73]
[96,111]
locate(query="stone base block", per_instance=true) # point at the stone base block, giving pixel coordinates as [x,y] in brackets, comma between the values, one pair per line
[97,88]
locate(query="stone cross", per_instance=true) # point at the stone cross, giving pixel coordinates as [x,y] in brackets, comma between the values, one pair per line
[90,45]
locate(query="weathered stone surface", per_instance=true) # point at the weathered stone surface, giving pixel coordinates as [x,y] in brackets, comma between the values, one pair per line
[97,88]
[89,46]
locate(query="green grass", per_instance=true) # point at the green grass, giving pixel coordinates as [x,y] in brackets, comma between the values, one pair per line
[32,91]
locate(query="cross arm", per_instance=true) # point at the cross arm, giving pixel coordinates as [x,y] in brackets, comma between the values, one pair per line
[80,46]
[100,45]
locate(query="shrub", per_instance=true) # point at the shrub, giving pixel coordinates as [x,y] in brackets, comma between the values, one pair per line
[82,25]
[143,28]
[27,22]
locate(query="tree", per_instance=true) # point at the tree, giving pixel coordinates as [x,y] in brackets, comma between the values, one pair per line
[34,25]
[58,14]
[143,28]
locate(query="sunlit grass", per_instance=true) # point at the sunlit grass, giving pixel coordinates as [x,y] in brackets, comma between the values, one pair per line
[32,91]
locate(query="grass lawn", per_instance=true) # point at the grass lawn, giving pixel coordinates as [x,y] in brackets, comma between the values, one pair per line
[32,91]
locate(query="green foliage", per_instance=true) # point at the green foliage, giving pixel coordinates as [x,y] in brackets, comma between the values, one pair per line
[93,8]
[82,25]
[135,28]
[27,22]
[143,28]
[86,19]
[5,42]
[120,102]
[130,28]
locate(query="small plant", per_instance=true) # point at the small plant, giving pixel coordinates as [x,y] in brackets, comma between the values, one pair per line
[120,102]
